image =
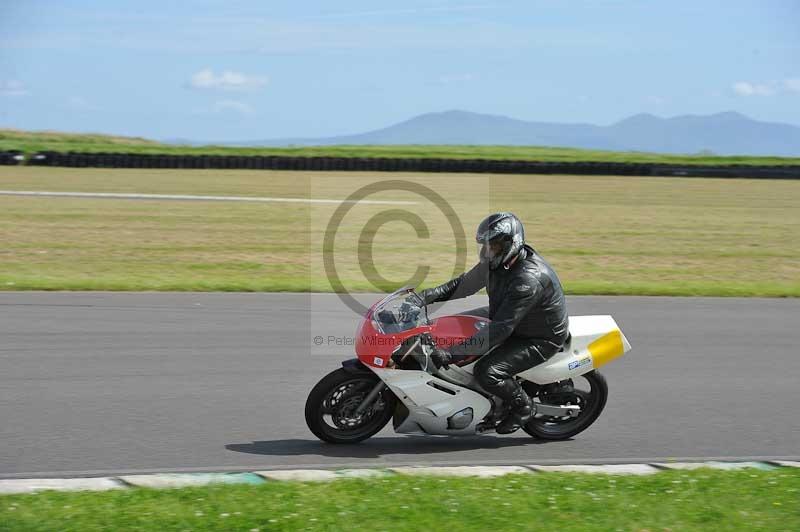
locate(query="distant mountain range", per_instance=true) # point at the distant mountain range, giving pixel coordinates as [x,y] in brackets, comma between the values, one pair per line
[726,133]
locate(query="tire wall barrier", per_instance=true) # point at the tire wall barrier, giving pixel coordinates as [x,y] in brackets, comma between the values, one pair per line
[376,164]
[11,157]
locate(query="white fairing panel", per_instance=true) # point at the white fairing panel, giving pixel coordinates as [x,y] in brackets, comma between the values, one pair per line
[431,401]
[596,340]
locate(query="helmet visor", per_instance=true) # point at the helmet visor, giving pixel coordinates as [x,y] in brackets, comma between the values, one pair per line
[490,252]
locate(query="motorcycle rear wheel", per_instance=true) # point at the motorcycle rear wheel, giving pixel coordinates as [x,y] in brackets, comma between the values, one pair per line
[591,403]
[330,407]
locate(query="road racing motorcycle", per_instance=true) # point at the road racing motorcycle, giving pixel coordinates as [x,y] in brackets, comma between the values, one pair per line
[394,378]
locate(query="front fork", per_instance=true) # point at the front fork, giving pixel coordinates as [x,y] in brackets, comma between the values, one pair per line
[370,398]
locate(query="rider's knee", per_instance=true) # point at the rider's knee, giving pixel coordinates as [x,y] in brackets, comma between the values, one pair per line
[492,375]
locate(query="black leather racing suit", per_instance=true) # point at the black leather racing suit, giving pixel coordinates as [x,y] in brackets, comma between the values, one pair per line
[529,318]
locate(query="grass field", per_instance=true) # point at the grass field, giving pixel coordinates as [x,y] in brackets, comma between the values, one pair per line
[33,141]
[604,235]
[696,500]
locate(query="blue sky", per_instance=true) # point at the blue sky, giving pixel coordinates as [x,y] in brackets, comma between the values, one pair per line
[246,70]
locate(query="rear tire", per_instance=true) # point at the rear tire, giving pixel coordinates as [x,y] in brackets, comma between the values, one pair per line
[330,407]
[593,403]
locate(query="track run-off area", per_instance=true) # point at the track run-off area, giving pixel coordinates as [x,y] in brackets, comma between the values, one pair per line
[109,383]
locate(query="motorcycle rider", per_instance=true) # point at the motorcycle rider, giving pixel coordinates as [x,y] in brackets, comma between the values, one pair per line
[528,313]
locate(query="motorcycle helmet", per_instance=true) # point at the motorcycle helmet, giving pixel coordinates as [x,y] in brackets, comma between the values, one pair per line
[500,238]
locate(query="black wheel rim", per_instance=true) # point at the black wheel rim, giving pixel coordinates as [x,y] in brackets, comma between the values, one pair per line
[337,411]
[584,395]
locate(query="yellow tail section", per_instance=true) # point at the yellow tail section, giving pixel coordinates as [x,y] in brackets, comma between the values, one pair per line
[606,348]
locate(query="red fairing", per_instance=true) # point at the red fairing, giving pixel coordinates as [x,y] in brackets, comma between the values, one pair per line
[375,349]
[454,330]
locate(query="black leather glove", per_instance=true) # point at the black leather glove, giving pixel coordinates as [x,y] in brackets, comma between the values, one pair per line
[427,295]
[441,358]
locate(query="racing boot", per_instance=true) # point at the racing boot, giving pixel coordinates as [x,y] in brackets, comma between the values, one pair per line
[520,412]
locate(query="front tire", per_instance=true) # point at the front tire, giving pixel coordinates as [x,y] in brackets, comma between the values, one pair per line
[591,402]
[331,405]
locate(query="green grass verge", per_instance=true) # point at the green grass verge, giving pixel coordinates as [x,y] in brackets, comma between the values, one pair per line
[696,500]
[33,141]
[603,235]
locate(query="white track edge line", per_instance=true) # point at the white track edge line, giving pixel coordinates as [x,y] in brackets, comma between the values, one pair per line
[247,468]
[119,483]
[188,197]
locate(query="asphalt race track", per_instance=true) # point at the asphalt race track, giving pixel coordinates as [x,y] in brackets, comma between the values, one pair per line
[96,383]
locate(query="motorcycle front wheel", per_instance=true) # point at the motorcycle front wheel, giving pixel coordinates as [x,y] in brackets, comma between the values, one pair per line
[590,393]
[332,403]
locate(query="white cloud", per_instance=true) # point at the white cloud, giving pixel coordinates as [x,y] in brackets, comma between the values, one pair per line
[770,88]
[12,88]
[792,85]
[744,88]
[227,81]
[656,100]
[232,106]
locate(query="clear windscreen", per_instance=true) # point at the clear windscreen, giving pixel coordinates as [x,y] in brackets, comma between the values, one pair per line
[400,311]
